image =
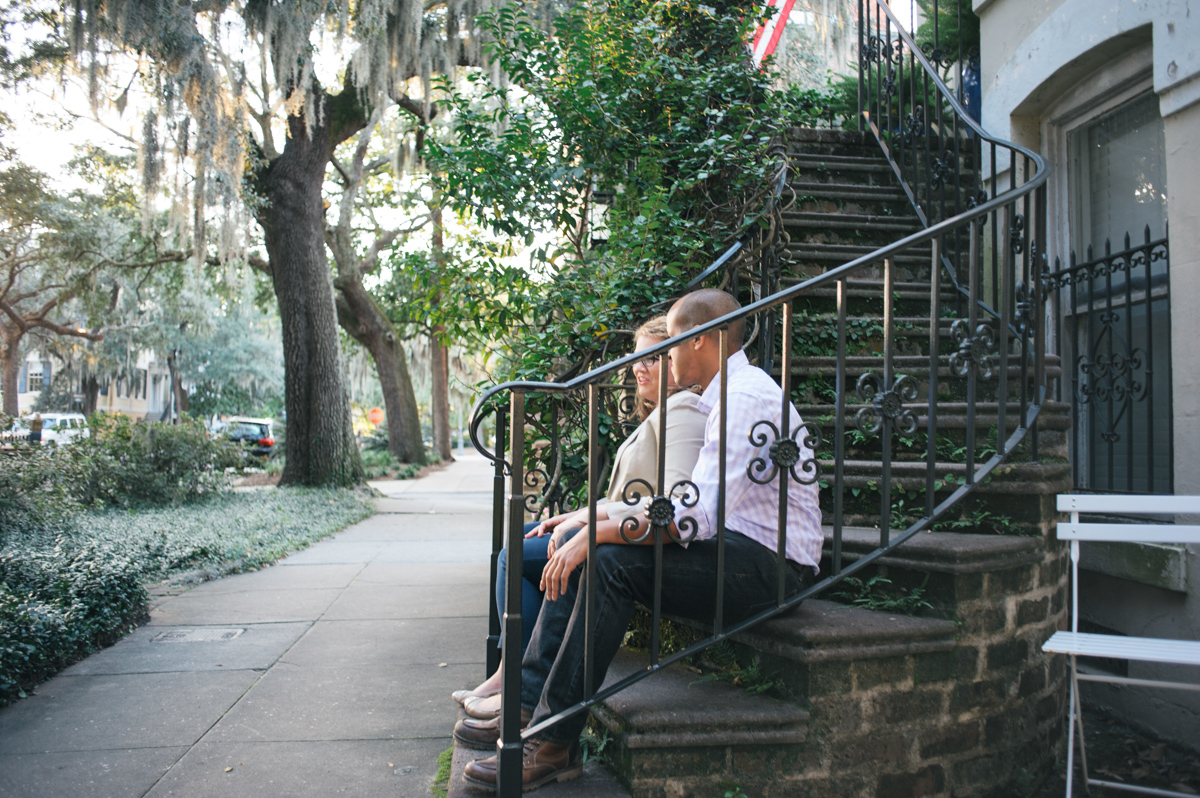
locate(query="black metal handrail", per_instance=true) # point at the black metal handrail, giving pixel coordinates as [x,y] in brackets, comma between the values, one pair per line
[981,353]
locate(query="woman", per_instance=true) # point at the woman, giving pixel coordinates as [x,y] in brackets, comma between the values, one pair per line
[637,458]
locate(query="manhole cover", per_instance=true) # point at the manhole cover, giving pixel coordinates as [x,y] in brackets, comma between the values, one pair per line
[206,635]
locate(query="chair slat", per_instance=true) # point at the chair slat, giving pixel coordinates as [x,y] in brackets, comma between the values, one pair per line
[1145,649]
[1128,504]
[1130,533]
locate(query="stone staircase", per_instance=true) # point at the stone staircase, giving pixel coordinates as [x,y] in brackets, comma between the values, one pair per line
[958,702]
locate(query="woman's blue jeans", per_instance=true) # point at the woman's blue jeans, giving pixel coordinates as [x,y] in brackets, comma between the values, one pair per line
[533,563]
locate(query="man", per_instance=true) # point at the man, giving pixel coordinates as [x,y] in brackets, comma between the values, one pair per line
[553,668]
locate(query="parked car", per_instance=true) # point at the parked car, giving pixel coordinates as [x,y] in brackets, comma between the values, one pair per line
[254,433]
[64,427]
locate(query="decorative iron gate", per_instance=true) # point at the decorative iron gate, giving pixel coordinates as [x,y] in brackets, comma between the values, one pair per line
[1113,324]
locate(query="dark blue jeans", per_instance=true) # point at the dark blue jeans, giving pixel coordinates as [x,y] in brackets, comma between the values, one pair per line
[553,667]
[532,564]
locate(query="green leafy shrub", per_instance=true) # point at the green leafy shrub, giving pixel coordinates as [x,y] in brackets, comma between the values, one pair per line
[34,492]
[128,463]
[58,605]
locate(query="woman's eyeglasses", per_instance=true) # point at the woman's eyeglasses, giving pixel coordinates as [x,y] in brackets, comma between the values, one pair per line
[652,361]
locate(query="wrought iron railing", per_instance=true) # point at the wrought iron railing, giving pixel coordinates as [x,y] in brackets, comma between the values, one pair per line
[1113,326]
[990,368]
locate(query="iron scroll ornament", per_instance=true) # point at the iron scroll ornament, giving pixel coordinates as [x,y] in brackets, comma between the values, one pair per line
[886,404]
[942,170]
[660,510]
[1114,378]
[785,453]
[974,351]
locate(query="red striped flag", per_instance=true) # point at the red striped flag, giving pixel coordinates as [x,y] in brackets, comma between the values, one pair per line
[767,37]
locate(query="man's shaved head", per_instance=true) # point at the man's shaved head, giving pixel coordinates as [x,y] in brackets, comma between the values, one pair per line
[703,306]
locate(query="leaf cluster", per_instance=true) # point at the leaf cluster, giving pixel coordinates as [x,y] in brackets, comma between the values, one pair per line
[878,593]
[637,134]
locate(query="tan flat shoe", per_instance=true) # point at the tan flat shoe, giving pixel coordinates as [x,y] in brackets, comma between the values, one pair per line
[481,707]
[460,696]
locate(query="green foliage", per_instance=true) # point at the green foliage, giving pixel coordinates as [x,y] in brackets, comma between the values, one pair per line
[673,636]
[594,738]
[59,604]
[649,109]
[878,593]
[66,590]
[950,18]
[34,494]
[732,790]
[380,464]
[721,662]
[129,463]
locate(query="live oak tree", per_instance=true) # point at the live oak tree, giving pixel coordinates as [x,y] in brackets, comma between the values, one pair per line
[244,96]
[63,261]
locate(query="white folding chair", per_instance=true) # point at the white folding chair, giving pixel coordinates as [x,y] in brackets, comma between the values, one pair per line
[1145,649]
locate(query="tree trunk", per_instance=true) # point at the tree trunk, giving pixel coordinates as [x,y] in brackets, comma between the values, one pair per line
[91,394]
[439,355]
[363,321]
[10,371]
[439,364]
[321,449]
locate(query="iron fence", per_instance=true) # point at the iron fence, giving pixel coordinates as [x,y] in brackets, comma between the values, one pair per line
[1113,326]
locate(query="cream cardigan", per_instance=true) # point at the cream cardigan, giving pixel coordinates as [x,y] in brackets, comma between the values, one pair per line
[637,458]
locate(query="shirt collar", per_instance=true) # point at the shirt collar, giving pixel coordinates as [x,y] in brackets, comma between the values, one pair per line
[712,394]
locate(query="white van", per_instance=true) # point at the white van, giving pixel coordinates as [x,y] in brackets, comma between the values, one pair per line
[63,428]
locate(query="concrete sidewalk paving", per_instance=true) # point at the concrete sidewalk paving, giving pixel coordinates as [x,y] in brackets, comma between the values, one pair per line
[326,674]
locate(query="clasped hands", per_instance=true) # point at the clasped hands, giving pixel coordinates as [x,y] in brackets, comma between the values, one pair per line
[564,558]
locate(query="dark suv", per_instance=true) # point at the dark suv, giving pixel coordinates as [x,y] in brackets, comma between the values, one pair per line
[254,433]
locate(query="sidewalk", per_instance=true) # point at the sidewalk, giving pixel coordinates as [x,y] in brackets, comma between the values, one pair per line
[327,674]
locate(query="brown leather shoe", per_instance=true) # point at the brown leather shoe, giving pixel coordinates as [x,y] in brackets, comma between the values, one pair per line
[542,762]
[482,735]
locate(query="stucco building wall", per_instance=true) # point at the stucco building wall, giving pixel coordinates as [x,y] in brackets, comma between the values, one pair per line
[1045,64]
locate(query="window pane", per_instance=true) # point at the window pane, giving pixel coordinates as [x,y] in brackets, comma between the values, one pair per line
[1118,178]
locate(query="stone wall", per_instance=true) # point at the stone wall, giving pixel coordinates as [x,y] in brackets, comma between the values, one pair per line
[965,704]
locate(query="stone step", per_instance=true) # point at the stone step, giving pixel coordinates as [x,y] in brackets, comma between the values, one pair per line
[916,366]
[848,191]
[803,162]
[869,223]
[674,734]
[837,254]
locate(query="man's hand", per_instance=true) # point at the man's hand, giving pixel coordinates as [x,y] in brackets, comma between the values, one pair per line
[563,562]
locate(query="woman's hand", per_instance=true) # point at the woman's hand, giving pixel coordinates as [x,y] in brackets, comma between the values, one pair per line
[557,525]
[563,562]
[547,526]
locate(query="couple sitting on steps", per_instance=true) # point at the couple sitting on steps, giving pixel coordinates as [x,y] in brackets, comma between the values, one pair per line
[552,670]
